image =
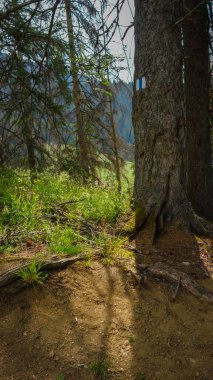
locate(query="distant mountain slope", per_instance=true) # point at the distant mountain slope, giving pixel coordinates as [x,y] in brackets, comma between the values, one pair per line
[123,110]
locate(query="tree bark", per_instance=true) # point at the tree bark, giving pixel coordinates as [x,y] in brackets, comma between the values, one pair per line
[157,118]
[115,143]
[196,83]
[82,140]
[29,142]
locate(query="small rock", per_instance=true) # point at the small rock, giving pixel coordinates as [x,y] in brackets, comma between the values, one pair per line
[25,334]
[186,263]
[52,354]
[192,361]
[82,366]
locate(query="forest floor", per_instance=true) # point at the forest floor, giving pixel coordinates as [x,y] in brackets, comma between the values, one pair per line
[101,322]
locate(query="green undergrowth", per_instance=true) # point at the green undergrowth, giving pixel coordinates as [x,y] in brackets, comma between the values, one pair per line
[66,215]
[33,273]
[99,370]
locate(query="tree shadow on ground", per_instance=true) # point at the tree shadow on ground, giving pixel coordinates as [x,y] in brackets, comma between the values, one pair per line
[84,319]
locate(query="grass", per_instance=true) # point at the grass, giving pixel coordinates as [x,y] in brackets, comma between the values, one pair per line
[61,377]
[131,339]
[33,273]
[64,240]
[142,376]
[66,215]
[110,246]
[99,370]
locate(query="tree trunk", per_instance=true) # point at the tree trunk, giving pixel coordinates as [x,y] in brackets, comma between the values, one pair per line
[115,143]
[82,140]
[29,142]
[157,118]
[196,70]
[111,111]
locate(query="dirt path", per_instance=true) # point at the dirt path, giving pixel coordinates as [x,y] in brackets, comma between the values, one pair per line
[103,317]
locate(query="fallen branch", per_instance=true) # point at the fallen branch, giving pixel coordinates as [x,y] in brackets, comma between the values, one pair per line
[11,275]
[167,273]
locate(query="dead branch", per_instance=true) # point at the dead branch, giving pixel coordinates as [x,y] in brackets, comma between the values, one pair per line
[189,13]
[47,265]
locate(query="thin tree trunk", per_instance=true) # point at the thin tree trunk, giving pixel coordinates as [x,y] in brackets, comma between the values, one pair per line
[112,119]
[196,69]
[115,146]
[29,142]
[82,140]
[157,118]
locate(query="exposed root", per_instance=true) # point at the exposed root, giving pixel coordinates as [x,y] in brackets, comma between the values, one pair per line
[181,279]
[201,226]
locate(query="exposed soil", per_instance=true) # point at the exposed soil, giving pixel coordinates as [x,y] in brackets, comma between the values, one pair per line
[87,316]
[184,252]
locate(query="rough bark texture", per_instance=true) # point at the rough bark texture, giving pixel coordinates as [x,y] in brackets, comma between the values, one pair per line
[196,63]
[157,116]
[82,140]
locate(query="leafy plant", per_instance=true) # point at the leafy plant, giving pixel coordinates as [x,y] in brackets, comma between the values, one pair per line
[66,241]
[110,246]
[61,377]
[99,370]
[142,376]
[33,273]
[131,339]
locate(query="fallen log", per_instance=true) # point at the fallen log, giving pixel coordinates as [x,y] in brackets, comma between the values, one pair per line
[165,272]
[12,274]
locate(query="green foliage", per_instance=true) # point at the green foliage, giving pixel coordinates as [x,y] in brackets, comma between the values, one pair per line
[99,370]
[131,339]
[55,209]
[33,274]
[142,376]
[7,248]
[61,377]
[110,246]
[64,240]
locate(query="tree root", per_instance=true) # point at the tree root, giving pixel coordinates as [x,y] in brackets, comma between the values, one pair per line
[181,279]
[201,226]
[11,275]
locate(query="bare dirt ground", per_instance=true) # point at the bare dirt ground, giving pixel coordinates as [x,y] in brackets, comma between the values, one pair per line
[89,317]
